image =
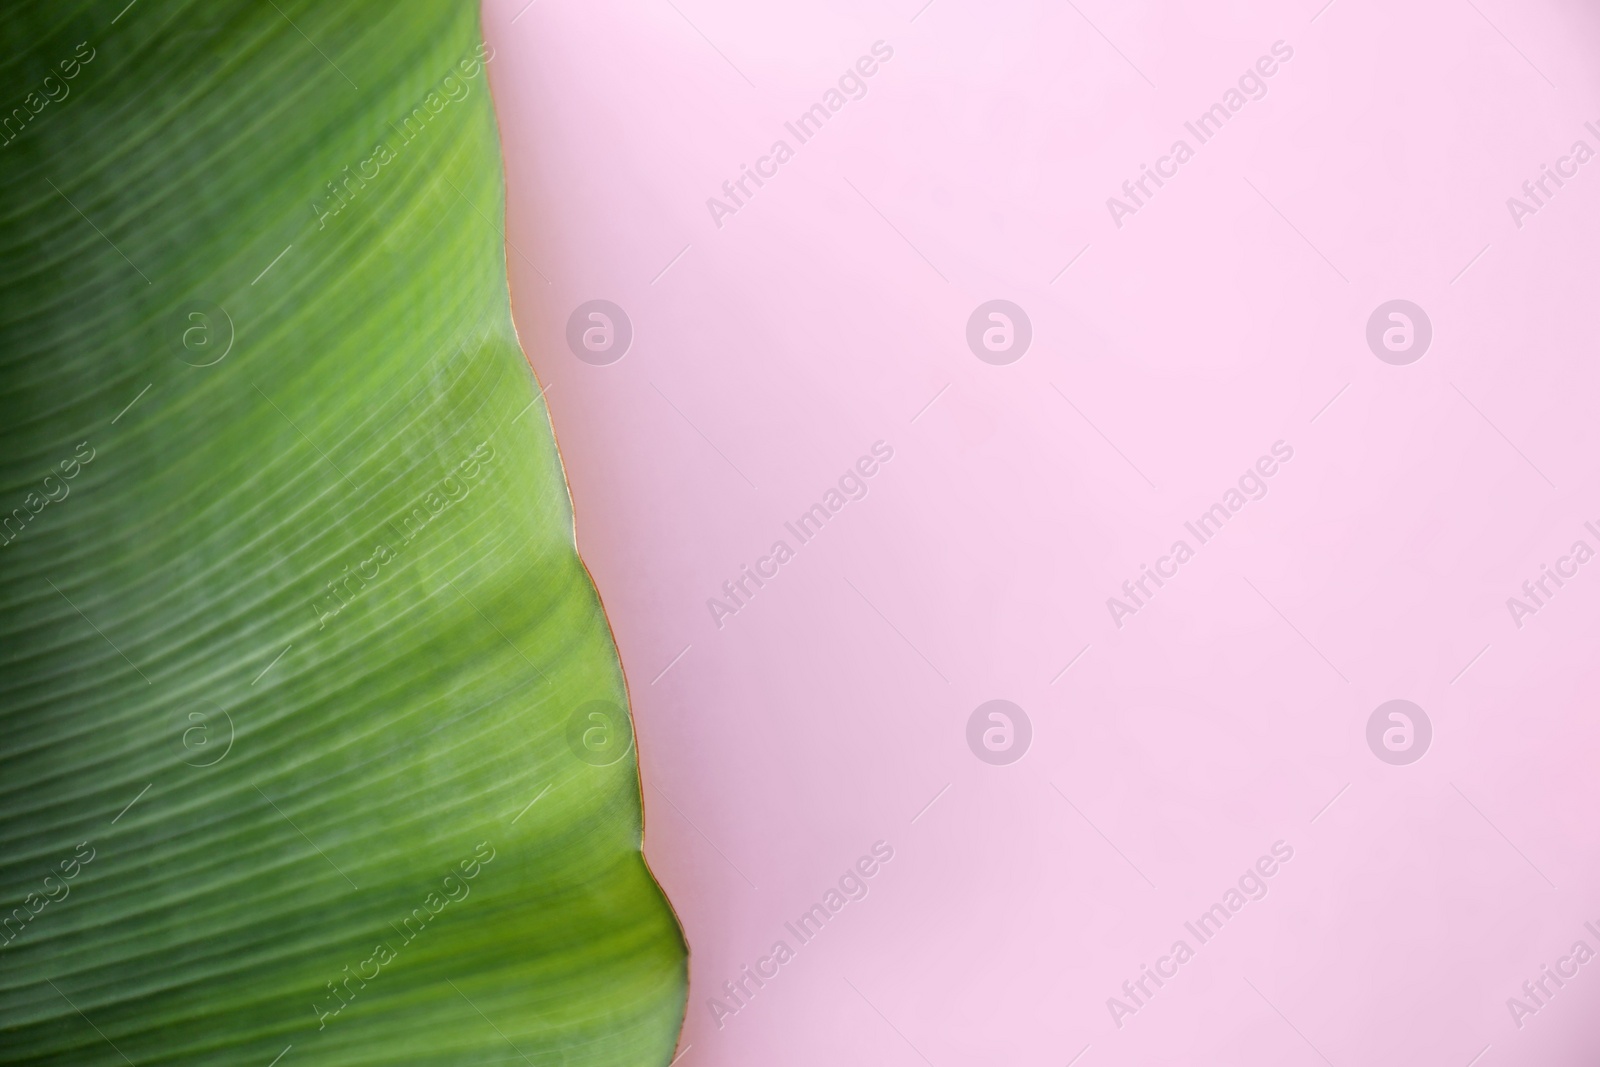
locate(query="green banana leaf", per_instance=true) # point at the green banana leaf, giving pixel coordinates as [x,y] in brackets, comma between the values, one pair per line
[316,746]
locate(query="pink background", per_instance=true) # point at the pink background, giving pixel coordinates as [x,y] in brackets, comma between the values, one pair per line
[1222,317]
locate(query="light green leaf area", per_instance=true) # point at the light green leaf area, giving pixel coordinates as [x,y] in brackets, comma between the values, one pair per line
[314,732]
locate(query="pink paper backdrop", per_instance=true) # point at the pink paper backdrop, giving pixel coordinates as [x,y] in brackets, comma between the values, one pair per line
[777,338]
